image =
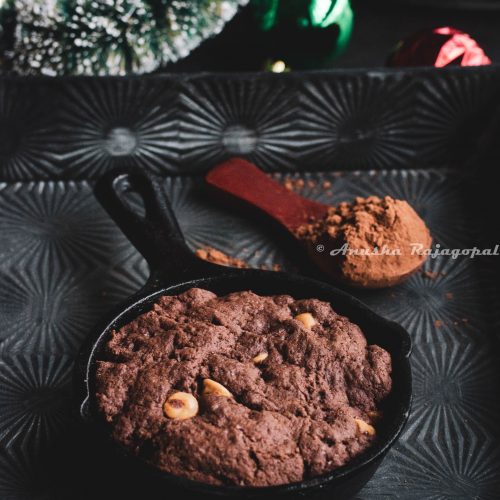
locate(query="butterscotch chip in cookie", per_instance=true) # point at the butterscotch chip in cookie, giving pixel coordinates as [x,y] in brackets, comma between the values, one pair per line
[180,406]
[260,358]
[213,387]
[364,427]
[306,319]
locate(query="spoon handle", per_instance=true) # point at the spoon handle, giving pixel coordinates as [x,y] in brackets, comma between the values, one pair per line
[243,180]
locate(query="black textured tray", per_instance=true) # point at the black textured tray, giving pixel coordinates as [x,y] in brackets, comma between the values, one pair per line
[63,262]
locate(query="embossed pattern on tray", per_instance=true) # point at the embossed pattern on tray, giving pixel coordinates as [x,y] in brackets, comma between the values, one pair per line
[77,128]
[63,263]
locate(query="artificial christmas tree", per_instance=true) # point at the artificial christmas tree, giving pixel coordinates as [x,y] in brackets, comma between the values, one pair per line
[100,37]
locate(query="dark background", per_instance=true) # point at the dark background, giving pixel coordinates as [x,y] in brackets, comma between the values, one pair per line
[378,26]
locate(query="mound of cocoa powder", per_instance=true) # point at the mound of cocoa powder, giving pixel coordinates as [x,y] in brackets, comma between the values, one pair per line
[368,227]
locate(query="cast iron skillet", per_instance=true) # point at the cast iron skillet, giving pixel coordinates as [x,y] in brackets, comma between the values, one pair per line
[174,268]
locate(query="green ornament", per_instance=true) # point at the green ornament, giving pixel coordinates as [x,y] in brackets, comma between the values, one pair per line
[323,13]
[307,14]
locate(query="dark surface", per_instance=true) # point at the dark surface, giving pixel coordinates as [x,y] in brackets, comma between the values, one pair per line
[63,262]
[378,27]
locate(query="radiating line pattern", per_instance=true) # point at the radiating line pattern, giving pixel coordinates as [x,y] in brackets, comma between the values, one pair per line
[27,137]
[34,398]
[125,280]
[452,391]
[48,310]
[60,223]
[348,123]
[444,470]
[491,274]
[78,128]
[447,301]
[452,112]
[237,117]
[110,122]
[22,476]
[204,222]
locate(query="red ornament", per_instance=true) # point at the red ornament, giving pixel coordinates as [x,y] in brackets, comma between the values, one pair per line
[439,47]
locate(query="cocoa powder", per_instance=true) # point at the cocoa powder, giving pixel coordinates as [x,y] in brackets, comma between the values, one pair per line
[215,256]
[366,226]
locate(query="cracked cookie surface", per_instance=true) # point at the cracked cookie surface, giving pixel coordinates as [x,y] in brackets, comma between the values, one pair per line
[292,415]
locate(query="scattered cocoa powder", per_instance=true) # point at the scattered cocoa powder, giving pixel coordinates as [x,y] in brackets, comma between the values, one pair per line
[293,184]
[215,256]
[365,225]
[430,274]
[297,184]
[273,267]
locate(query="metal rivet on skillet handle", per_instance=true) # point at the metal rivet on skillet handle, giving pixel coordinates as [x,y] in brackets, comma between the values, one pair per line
[174,268]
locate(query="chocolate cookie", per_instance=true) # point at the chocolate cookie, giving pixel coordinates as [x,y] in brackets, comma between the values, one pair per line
[242,389]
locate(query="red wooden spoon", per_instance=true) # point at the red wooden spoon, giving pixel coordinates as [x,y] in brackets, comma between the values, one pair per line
[244,181]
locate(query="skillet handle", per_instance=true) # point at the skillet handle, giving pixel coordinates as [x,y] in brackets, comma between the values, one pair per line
[157,234]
